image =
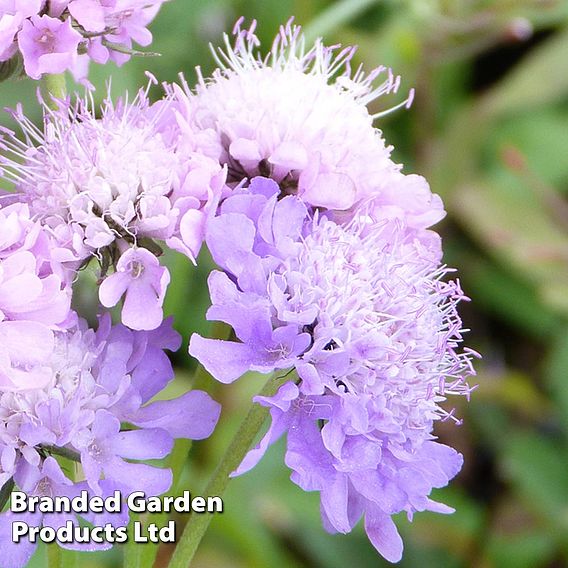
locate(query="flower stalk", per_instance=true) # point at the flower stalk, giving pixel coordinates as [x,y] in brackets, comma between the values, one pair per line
[5,492]
[239,446]
[53,88]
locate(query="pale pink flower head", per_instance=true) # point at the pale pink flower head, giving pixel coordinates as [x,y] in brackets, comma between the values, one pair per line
[300,116]
[104,185]
[12,14]
[34,299]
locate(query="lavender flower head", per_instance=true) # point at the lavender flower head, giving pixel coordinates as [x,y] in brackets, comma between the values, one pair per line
[97,381]
[53,37]
[34,299]
[363,315]
[300,116]
[107,187]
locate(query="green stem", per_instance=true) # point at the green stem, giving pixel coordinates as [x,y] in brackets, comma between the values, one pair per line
[131,558]
[128,50]
[247,432]
[53,555]
[176,462]
[63,452]
[53,88]
[5,492]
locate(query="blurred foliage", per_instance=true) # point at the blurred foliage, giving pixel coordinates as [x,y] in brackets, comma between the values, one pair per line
[489,129]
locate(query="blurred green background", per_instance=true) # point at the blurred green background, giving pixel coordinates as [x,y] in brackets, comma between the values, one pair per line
[489,129]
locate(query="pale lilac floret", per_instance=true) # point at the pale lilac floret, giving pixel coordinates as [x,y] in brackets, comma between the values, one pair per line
[48,45]
[103,448]
[143,282]
[299,115]
[12,14]
[113,26]
[363,314]
[58,36]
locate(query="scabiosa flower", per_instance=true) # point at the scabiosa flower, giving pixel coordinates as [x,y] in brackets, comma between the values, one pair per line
[52,37]
[108,186]
[299,116]
[34,299]
[97,382]
[361,313]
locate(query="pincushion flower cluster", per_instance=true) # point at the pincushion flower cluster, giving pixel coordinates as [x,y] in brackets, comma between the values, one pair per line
[361,313]
[108,187]
[94,382]
[94,186]
[328,273]
[299,116]
[55,36]
[68,391]
[329,269]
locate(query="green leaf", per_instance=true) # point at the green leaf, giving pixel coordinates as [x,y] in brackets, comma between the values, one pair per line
[522,550]
[513,226]
[513,390]
[537,469]
[539,137]
[12,68]
[500,292]
[455,533]
[539,79]
[188,296]
[336,15]
[556,373]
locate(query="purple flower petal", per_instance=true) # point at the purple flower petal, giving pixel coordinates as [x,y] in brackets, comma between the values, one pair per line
[225,360]
[383,534]
[193,415]
[149,443]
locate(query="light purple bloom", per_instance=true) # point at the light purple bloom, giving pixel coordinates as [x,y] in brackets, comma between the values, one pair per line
[122,21]
[68,34]
[12,14]
[103,448]
[299,116]
[34,299]
[95,382]
[143,282]
[24,348]
[90,14]
[9,27]
[363,315]
[48,45]
[106,187]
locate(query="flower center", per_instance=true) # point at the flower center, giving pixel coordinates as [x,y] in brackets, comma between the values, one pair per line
[43,488]
[136,269]
[95,451]
[47,39]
